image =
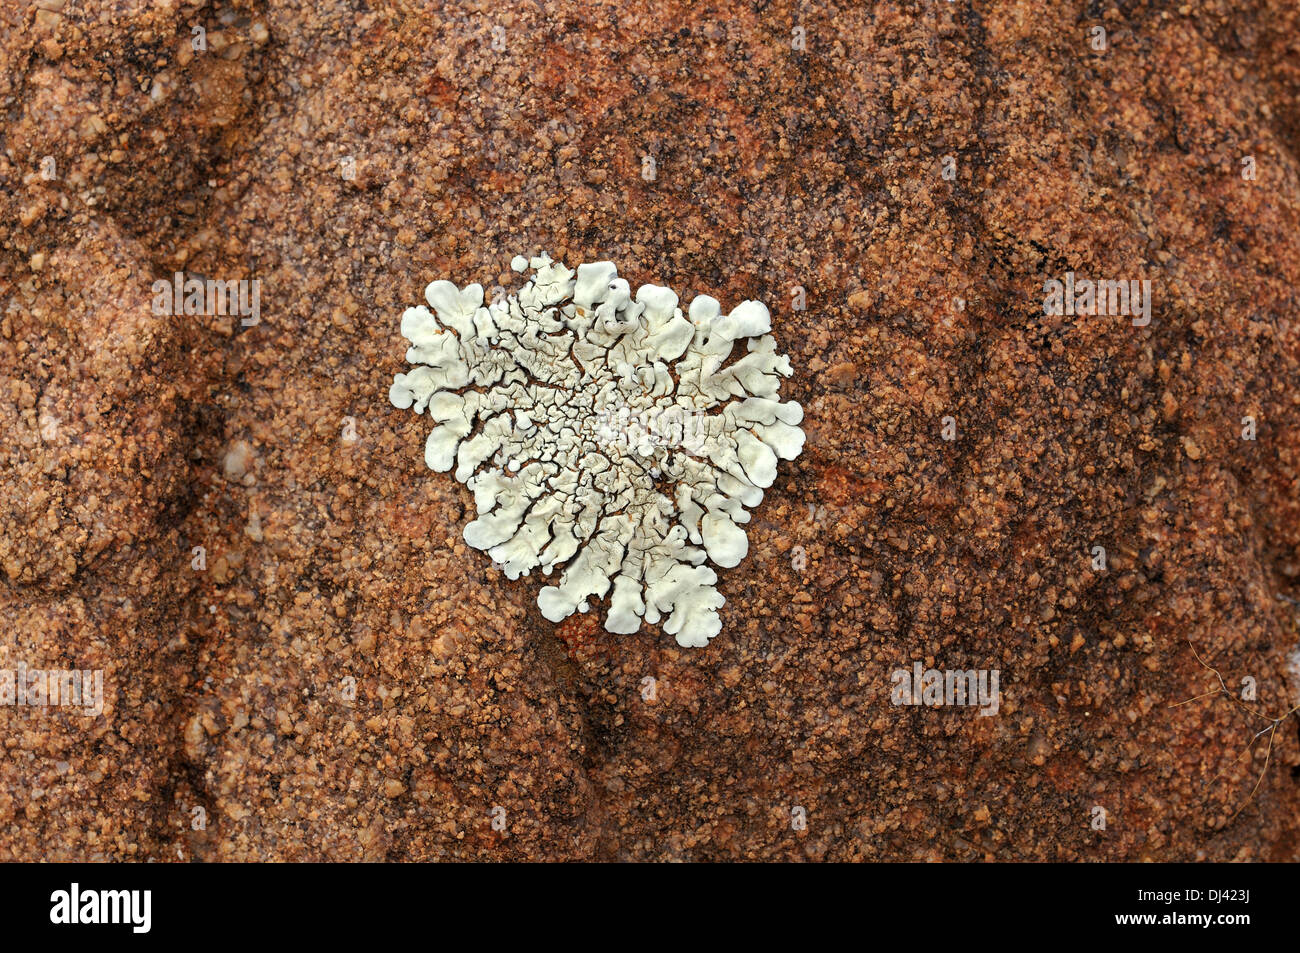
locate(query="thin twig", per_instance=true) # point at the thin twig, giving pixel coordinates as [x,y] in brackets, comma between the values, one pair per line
[1270,730]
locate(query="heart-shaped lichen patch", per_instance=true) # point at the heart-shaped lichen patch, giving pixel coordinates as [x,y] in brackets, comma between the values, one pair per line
[609,436]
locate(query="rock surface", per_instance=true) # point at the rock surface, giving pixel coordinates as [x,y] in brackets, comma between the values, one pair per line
[344,678]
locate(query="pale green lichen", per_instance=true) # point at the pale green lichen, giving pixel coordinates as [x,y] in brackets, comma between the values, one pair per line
[603,434]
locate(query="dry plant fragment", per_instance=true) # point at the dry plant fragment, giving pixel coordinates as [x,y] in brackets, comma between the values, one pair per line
[608,435]
[1271,728]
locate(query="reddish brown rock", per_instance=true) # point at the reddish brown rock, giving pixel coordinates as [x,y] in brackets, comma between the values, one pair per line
[337,675]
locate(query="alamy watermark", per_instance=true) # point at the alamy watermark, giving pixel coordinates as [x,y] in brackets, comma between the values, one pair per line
[209,296]
[644,431]
[935,688]
[1105,297]
[53,688]
[77,906]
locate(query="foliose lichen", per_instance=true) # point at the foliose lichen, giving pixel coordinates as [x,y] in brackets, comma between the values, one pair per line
[607,435]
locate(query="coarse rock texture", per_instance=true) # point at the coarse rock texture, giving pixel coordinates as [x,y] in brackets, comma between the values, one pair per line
[346,679]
